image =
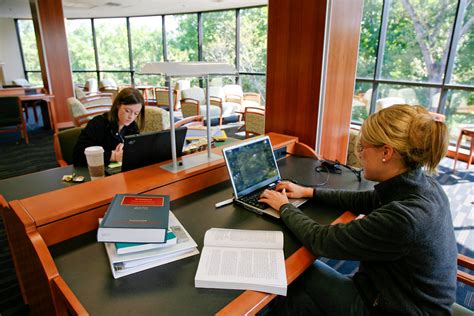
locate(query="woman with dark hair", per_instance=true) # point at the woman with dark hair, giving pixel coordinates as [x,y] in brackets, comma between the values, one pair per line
[405,243]
[126,117]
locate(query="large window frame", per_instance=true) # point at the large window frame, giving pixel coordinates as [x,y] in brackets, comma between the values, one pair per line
[132,71]
[445,86]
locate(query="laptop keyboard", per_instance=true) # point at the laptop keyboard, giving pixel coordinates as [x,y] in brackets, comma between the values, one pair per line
[252,198]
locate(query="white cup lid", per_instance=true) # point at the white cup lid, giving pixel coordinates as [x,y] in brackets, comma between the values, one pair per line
[94,150]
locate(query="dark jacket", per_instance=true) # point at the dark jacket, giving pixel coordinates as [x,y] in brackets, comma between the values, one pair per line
[406,243]
[101,132]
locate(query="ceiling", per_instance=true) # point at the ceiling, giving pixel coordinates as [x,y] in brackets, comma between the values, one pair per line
[112,8]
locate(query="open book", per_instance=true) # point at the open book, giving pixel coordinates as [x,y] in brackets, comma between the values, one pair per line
[242,260]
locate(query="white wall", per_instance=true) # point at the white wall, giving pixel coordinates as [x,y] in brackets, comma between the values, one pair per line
[10,51]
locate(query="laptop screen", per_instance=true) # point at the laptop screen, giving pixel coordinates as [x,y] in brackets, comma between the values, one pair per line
[251,165]
[145,149]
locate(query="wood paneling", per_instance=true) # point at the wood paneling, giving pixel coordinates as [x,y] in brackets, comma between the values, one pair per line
[53,52]
[340,78]
[294,71]
[295,53]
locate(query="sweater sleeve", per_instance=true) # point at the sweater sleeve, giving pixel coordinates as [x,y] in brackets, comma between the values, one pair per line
[92,135]
[358,202]
[385,234]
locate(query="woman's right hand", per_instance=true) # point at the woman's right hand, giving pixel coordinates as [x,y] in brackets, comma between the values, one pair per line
[295,191]
[117,154]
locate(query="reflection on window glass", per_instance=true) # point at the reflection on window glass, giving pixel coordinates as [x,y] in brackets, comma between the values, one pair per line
[35,78]
[80,44]
[390,94]
[112,44]
[219,37]
[182,37]
[463,72]
[255,83]
[80,78]
[361,101]
[417,40]
[147,43]
[253,39]
[120,78]
[459,111]
[369,36]
[28,44]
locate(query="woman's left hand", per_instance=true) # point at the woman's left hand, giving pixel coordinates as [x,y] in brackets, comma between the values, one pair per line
[274,198]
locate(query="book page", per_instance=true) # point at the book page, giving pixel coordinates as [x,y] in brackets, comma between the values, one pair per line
[239,268]
[238,238]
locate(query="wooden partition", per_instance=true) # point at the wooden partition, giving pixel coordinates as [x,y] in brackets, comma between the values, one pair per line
[51,40]
[296,75]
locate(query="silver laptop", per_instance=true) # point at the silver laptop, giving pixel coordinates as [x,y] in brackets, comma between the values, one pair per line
[252,169]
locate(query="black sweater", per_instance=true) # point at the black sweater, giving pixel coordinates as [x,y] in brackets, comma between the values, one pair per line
[406,242]
[101,132]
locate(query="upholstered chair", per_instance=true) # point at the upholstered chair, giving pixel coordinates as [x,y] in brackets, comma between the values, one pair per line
[156,119]
[352,158]
[82,114]
[194,103]
[254,121]
[235,94]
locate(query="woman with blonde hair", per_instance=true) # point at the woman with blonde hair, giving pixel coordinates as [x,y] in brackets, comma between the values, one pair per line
[405,242]
[126,117]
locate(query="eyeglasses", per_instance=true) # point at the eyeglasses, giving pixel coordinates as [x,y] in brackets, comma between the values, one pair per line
[361,147]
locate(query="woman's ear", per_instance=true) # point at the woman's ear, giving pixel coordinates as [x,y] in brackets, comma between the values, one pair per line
[387,153]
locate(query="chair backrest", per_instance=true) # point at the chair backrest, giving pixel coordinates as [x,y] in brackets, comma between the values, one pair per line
[195,93]
[10,113]
[218,92]
[182,84]
[64,143]
[79,93]
[162,97]
[80,115]
[156,119]
[386,102]
[233,89]
[352,158]
[107,83]
[21,82]
[254,121]
[409,95]
[91,85]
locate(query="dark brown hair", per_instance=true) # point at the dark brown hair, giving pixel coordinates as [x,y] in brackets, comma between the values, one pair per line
[128,96]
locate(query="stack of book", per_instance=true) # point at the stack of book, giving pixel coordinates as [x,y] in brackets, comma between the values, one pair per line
[140,232]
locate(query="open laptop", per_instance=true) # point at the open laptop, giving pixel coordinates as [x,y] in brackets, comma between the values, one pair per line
[141,150]
[252,169]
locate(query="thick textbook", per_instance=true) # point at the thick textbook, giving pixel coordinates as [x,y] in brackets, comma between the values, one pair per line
[129,247]
[242,260]
[125,264]
[138,218]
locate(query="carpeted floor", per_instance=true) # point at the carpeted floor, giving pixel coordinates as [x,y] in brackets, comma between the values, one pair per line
[17,158]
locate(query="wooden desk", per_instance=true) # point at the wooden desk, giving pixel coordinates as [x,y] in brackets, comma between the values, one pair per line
[38,222]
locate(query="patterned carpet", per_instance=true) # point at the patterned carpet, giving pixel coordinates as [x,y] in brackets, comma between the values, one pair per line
[18,158]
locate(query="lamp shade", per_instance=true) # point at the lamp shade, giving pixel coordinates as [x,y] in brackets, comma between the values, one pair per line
[187,69]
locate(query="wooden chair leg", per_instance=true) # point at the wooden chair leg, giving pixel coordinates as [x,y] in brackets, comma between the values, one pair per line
[458,144]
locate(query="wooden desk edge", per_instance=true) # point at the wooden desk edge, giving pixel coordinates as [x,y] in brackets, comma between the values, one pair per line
[251,302]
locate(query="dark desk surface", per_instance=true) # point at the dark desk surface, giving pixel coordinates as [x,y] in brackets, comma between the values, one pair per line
[169,289]
[27,185]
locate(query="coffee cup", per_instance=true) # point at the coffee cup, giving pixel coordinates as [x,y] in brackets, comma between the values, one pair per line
[95,161]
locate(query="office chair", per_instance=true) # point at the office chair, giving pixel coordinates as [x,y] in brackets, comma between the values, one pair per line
[11,114]
[64,142]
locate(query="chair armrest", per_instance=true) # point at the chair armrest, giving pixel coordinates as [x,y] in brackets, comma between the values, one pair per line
[98,106]
[195,118]
[465,277]
[77,119]
[95,97]
[216,101]
[302,150]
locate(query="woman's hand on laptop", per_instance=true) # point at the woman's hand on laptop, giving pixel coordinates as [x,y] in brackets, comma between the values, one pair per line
[294,191]
[117,154]
[274,198]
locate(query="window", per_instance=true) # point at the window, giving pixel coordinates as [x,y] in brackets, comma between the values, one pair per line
[147,46]
[31,65]
[422,59]
[81,50]
[182,37]
[219,37]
